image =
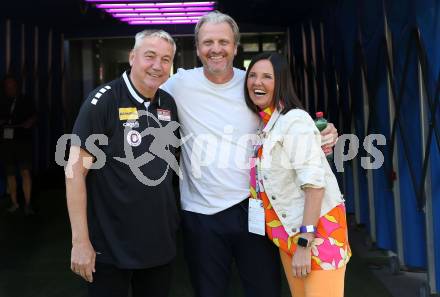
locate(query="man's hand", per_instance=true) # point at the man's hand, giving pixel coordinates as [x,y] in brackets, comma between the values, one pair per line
[26,125]
[82,260]
[29,123]
[329,137]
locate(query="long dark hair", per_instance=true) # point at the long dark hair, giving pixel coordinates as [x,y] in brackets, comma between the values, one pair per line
[284,95]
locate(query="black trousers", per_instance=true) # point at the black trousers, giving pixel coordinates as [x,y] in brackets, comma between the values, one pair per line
[211,244]
[110,281]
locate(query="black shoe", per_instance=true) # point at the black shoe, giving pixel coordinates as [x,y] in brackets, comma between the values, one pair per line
[28,211]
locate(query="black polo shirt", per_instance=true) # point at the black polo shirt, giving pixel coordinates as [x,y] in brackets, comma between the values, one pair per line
[132,213]
[14,112]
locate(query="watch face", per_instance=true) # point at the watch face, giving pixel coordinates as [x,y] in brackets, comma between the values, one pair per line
[303,242]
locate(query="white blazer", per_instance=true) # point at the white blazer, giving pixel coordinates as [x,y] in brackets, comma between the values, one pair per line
[292,157]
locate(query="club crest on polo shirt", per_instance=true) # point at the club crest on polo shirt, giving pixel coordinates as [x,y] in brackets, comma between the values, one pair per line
[134,138]
[128,113]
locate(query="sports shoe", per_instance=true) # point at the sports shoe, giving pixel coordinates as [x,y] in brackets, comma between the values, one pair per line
[28,211]
[13,208]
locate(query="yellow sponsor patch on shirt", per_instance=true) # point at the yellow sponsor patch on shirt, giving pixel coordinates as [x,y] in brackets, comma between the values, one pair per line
[128,113]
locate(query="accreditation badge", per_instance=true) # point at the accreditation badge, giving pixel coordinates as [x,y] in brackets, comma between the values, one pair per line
[8,133]
[256,219]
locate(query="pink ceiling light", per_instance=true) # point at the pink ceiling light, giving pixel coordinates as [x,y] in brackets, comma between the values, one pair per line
[132,19]
[146,5]
[136,1]
[162,22]
[125,14]
[159,19]
[155,19]
[145,12]
[167,9]
[98,1]
[152,15]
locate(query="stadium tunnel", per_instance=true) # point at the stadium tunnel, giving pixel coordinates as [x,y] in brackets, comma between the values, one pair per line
[372,66]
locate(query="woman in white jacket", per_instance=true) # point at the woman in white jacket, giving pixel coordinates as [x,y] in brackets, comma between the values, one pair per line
[304,211]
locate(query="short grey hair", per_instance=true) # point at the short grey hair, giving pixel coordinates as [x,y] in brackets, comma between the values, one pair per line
[154,33]
[217,17]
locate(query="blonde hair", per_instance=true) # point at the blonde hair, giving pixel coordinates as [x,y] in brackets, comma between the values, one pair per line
[217,17]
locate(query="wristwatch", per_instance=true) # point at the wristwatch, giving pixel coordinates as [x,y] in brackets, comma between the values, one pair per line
[304,242]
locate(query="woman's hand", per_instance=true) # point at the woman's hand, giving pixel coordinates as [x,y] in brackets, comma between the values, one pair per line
[329,137]
[302,258]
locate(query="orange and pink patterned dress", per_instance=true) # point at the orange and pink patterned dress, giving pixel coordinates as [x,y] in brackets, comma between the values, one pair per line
[330,248]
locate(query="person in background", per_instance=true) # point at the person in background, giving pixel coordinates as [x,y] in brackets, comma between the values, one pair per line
[304,212]
[123,227]
[214,196]
[17,118]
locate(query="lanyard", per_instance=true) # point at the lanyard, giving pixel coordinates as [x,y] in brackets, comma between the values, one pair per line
[256,164]
[262,133]
[11,111]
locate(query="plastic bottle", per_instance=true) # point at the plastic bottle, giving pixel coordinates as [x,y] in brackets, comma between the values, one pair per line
[321,124]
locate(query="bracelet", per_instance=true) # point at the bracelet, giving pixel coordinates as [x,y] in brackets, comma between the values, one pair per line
[307,229]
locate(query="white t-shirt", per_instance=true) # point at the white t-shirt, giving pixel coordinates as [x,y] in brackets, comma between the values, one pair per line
[216,126]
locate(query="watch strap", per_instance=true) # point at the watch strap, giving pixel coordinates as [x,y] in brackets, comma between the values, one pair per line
[307,229]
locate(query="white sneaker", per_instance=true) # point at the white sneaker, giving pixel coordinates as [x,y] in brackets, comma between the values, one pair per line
[13,208]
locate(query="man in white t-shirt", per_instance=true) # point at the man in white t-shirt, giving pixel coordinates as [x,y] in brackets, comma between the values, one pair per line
[216,126]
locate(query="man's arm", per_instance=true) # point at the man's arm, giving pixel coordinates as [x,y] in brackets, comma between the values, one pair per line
[83,255]
[26,112]
[4,117]
[30,122]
